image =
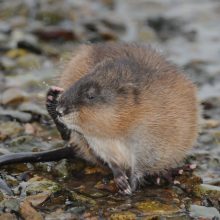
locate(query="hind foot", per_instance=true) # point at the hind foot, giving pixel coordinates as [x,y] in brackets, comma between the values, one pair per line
[120,179]
[169,174]
[51,104]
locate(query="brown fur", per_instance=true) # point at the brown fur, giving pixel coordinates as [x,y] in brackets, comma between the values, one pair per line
[150,125]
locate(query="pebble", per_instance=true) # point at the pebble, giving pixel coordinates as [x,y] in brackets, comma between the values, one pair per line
[5,28]
[29,213]
[202,211]
[12,204]
[8,216]
[64,168]
[7,63]
[20,116]
[111,187]
[14,53]
[13,96]
[29,61]
[39,199]
[208,123]
[32,108]
[92,170]
[42,186]
[206,191]
[60,214]
[30,46]
[9,129]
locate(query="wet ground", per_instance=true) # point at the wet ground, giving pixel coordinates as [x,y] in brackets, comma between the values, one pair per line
[36,37]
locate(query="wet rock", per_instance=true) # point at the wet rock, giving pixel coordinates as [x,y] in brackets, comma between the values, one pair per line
[8,216]
[114,22]
[106,214]
[87,215]
[201,211]
[92,170]
[11,181]
[29,213]
[98,194]
[111,187]
[213,162]
[25,144]
[147,34]
[107,35]
[25,176]
[42,186]
[212,102]
[7,64]
[60,214]
[50,50]
[206,138]
[57,34]
[204,191]
[153,207]
[14,53]
[79,164]
[3,39]
[18,167]
[13,96]
[164,27]
[9,130]
[83,199]
[196,70]
[29,61]
[21,80]
[18,21]
[123,215]
[187,180]
[5,28]
[20,116]
[56,201]
[30,46]
[208,123]
[64,168]
[12,204]
[36,178]
[32,108]
[76,210]
[30,129]
[39,199]
[50,16]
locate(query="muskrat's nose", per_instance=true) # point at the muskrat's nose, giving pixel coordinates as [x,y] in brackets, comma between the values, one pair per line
[60,111]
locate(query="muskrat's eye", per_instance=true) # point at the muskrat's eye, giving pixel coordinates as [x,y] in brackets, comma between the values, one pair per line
[90,97]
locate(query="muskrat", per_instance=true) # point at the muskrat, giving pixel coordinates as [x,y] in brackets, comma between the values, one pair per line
[122,105]
[125,105]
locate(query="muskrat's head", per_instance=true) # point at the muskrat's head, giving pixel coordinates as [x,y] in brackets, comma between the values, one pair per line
[100,103]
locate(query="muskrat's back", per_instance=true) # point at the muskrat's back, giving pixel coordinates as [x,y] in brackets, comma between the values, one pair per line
[158,107]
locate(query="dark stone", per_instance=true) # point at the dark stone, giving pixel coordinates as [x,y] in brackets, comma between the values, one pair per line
[30,46]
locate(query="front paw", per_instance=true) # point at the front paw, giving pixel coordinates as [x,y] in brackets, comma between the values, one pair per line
[51,102]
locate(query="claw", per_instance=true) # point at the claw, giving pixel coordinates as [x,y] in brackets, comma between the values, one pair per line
[50,97]
[158,180]
[193,166]
[180,171]
[176,182]
[128,191]
[55,88]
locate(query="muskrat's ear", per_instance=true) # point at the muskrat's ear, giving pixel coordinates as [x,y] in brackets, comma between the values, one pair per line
[128,88]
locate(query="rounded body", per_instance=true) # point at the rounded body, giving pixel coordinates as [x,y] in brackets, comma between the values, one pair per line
[127,105]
